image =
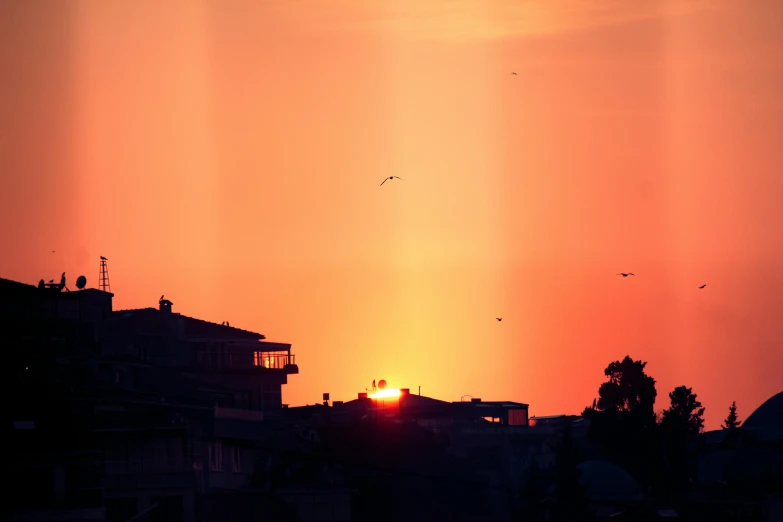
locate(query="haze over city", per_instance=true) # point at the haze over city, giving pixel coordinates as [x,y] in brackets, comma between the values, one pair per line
[229,156]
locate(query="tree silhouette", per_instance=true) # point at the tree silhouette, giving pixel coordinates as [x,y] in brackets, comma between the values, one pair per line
[732,421]
[680,424]
[623,420]
[686,415]
[628,389]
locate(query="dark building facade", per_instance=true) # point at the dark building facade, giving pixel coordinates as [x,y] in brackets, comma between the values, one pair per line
[134,413]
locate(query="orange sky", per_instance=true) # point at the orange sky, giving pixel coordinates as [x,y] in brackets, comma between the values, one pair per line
[228,154]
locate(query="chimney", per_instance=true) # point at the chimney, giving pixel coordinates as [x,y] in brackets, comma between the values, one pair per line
[405,391]
[362,395]
[165,305]
[475,400]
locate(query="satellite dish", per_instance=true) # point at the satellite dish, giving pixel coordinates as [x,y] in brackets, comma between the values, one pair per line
[381,384]
[81,282]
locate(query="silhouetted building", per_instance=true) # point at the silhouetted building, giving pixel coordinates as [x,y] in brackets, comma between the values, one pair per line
[739,472]
[131,413]
[433,414]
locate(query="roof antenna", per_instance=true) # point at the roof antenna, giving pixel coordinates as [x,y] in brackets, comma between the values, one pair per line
[103,279]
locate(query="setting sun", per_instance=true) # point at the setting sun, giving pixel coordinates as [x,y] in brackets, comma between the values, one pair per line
[386,394]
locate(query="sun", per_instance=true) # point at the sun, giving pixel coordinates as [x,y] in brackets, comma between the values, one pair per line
[387,393]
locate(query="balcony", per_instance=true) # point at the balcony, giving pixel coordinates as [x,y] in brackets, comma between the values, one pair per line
[276,357]
[237,414]
[134,477]
[97,514]
[276,361]
[236,424]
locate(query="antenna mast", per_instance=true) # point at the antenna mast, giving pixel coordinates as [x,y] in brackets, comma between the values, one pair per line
[103,280]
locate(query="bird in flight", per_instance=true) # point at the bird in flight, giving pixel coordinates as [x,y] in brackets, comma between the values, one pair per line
[626,275]
[499,318]
[515,74]
[390,178]
[702,286]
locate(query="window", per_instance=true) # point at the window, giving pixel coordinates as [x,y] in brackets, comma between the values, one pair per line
[123,378]
[242,400]
[236,460]
[116,457]
[216,456]
[174,451]
[517,417]
[224,401]
[199,469]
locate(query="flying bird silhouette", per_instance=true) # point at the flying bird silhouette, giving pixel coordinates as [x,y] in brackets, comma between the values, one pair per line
[515,74]
[626,275]
[702,286]
[390,178]
[499,318]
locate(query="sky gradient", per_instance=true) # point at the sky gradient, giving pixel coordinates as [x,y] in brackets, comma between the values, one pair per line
[229,155]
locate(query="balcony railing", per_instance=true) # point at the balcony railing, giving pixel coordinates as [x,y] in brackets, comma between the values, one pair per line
[238,414]
[274,360]
[241,359]
[98,514]
[160,479]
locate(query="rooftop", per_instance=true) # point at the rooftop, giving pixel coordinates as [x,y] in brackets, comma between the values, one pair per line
[192,326]
[10,286]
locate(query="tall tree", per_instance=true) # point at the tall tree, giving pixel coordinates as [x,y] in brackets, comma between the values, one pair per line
[680,424]
[732,421]
[685,415]
[623,419]
[628,389]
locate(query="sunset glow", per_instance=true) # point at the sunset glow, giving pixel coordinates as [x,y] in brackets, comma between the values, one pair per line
[388,393]
[230,154]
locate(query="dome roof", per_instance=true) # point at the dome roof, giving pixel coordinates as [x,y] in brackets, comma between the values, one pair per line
[604,481]
[768,415]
